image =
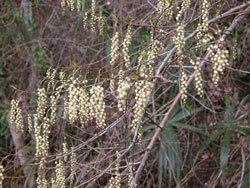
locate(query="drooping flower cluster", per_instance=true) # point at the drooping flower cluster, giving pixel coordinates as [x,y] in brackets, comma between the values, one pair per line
[179,40]
[41,136]
[164,10]
[41,103]
[97,106]
[125,49]
[65,150]
[155,48]
[16,117]
[116,181]
[130,176]
[184,5]
[84,20]
[78,103]
[84,106]
[142,91]
[59,181]
[202,30]
[73,102]
[114,48]
[41,180]
[114,55]
[1,176]
[93,16]
[198,78]
[219,57]
[73,162]
[123,87]
[184,86]
[30,124]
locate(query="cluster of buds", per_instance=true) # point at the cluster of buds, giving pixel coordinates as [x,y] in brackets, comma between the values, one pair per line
[30,125]
[114,48]
[179,39]
[63,4]
[73,162]
[93,16]
[202,28]
[102,24]
[143,89]
[156,47]
[130,176]
[184,86]
[164,10]
[65,150]
[53,110]
[78,5]
[84,20]
[41,103]
[83,106]
[125,50]
[123,87]
[219,57]
[59,181]
[38,137]
[116,181]
[72,5]
[198,78]
[41,180]
[1,176]
[73,102]
[41,136]
[184,5]
[97,106]
[51,77]
[16,117]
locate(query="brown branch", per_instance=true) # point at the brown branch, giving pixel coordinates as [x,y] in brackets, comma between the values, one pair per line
[164,120]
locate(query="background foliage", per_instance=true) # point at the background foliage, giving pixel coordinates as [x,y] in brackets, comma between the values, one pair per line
[203,143]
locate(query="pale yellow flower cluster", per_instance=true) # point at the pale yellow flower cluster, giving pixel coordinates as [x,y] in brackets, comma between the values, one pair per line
[219,57]
[59,181]
[198,78]
[116,181]
[16,117]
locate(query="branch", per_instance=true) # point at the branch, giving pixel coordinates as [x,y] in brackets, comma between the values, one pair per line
[163,122]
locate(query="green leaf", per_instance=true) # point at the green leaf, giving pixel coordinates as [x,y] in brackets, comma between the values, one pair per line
[184,114]
[224,153]
[206,144]
[172,152]
[246,182]
[160,168]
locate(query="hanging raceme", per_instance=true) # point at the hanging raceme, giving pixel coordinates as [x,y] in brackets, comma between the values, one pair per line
[41,180]
[219,56]
[1,175]
[114,55]
[65,150]
[125,50]
[198,78]
[97,106]
[123,87]
[84,106]
[184,85]
[93,16]
[164,11]
[59,181]
[202,30]
[73,163]
[73,101]
[16,116]
[41,103]
[130,176]
[116,181]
